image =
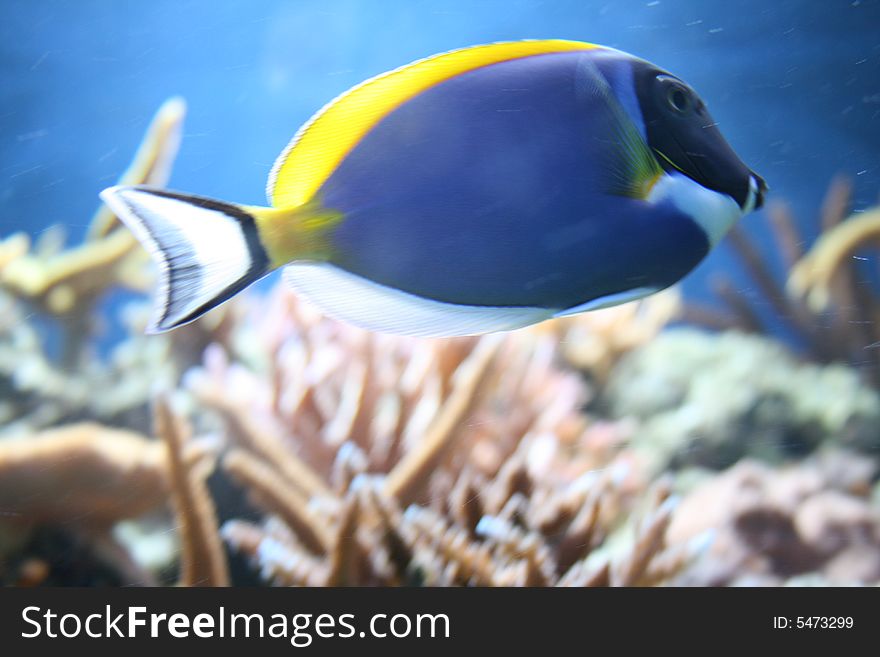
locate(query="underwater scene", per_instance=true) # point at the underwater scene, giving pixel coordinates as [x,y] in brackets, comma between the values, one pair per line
[518,310]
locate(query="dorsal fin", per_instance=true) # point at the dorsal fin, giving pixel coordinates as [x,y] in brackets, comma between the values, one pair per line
[324,141]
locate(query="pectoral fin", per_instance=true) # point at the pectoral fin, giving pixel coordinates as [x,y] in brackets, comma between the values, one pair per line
[629,167]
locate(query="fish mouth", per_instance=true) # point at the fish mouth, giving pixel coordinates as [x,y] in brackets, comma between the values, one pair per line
[695,172]
[728,176]
[757,191]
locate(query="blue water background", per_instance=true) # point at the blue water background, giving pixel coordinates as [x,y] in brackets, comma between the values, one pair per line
[794,84]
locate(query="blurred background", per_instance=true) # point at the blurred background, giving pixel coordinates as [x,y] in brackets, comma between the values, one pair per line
[725,432]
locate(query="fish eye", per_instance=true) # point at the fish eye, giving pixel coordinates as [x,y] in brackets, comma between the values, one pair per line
[678,100]
[677,97]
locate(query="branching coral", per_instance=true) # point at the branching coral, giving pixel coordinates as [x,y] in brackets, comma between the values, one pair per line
[152,163]
[35,393]
[830,303]
[82,474]
[203,562]
[470,541]
[386,460]
[813,276]
[12,248]
[66,283]
[84,479]
[80,480]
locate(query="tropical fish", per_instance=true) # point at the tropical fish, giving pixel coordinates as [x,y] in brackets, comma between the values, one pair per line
[477,190]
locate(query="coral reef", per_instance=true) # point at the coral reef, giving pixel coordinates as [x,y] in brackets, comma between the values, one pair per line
[601,449]
[386,460]
[809,523]
[709,399]
[830,302]
[50,285]
[70,486]
[66,283]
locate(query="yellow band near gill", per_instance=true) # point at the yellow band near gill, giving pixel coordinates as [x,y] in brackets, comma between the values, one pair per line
[323,142]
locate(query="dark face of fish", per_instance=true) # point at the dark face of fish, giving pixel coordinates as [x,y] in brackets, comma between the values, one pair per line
[685,137]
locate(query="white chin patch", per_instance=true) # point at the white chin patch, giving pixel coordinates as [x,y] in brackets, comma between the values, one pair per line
[714,212]
[752,197]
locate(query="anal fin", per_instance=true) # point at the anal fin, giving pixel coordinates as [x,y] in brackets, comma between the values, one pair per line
[609,300]
[356,300]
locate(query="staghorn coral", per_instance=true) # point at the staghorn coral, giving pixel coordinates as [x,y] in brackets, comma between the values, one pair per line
[388,460]
[466,541]
[12,248]
[76,484]
[300,386]
[829,302]
[61,493]
[84,474]
[202,561]
[152,163]
[813,276]
[67,284]
[37,394]
[811,522]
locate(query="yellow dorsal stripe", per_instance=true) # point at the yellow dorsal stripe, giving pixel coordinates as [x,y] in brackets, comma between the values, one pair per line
[324,141]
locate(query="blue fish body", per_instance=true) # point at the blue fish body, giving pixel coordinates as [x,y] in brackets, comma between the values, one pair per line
[477,190]
[486,190]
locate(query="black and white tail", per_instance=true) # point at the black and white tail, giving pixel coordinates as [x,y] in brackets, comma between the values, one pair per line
[206,250]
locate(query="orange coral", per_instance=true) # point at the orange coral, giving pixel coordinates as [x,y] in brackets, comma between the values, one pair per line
[82,475]
[387,460]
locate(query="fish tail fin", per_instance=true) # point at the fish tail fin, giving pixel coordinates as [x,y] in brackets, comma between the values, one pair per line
[207,250]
